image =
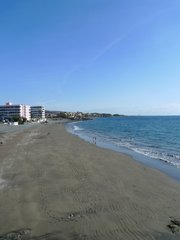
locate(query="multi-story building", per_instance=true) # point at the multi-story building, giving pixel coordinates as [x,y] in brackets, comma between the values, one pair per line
[9,110]
[38,112]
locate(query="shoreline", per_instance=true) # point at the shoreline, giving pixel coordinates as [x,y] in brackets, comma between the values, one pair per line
[161,165]
[61,187]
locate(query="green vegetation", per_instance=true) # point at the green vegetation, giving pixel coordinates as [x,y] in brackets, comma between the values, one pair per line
[20,120]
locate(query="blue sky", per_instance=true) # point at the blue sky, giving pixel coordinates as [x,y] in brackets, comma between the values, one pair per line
[118,56]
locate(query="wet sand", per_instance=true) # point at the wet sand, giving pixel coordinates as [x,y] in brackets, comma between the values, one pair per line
[53,185]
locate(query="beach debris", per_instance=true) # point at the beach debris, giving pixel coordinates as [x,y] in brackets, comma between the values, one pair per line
[174,225]
[73,216]
[67,218]
[22,234]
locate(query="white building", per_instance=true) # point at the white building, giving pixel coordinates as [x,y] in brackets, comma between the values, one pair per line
[38,112]
[10,110]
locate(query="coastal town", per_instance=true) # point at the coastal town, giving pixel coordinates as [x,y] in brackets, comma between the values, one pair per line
[21,113]
[78,115]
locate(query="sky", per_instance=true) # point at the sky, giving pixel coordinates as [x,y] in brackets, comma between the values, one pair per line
[113,56]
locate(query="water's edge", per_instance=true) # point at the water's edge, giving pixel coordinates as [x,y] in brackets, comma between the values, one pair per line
[169,170]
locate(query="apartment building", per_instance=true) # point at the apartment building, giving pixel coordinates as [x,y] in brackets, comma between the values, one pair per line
[38,112]
[10,110]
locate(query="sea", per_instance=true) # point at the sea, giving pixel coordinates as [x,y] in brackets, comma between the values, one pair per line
[151,140]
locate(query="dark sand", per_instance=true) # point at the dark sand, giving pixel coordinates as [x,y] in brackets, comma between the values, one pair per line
[56,186]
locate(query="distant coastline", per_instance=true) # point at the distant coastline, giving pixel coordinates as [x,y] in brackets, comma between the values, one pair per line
[79,115]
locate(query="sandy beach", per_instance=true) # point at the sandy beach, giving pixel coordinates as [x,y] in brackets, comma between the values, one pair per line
[54,185]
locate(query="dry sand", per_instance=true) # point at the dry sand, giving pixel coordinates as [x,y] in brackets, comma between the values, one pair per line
[56,186]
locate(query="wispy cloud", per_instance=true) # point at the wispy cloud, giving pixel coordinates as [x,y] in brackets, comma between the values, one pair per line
[67,77]
[69,73]
[59,89]
[108,47]
[146,21]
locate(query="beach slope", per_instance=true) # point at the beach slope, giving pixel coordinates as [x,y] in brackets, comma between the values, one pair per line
[56,186]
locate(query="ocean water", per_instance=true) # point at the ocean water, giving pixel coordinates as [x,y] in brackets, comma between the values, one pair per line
[157,138]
